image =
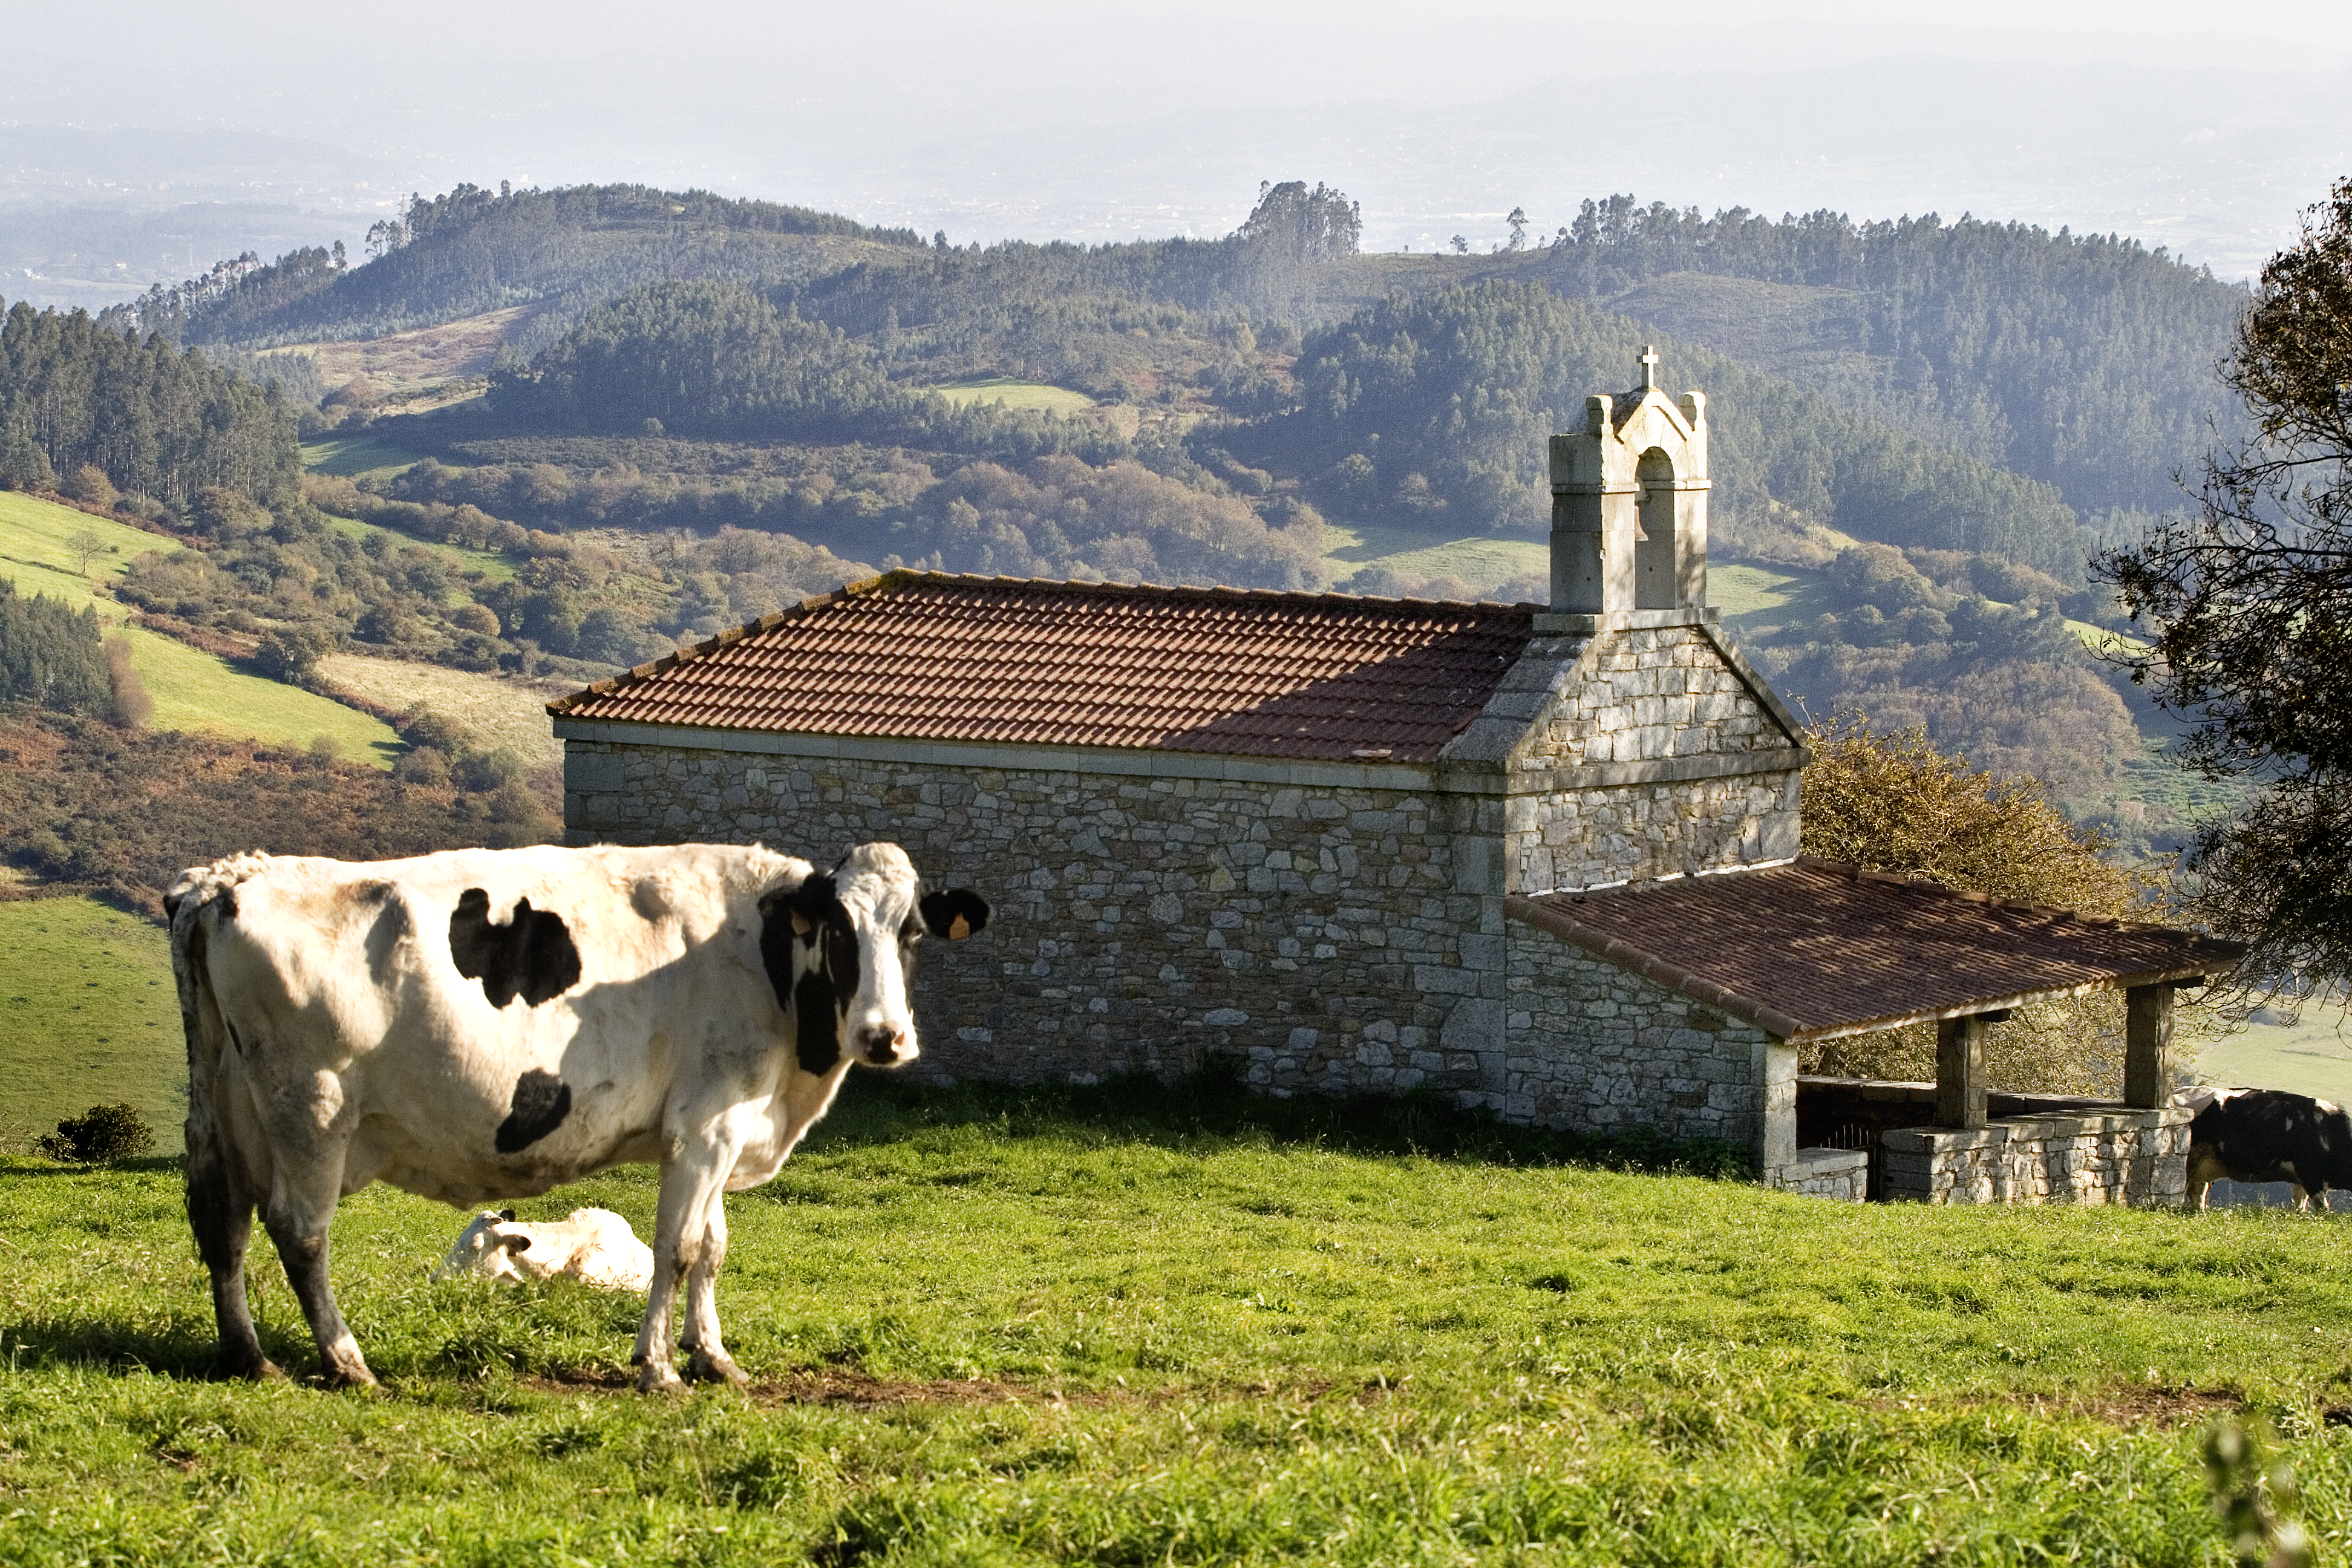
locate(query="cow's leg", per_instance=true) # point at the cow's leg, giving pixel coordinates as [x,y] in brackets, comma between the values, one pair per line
[707,1359]
[692,1178]
[301,1205]
[220,1212]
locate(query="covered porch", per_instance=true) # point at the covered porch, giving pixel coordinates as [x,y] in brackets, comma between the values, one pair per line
[1811,951]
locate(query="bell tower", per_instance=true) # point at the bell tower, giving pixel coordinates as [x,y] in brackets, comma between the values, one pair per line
[1629,503]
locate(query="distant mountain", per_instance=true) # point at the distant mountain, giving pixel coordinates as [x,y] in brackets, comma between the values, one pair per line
[474,250]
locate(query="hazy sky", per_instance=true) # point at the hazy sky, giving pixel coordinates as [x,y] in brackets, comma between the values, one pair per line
[2201,127]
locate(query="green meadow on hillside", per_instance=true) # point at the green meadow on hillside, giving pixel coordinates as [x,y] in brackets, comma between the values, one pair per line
[498,566]
[193,689]
[1013,393]
[348,456]
[87,1016]
[991,1327]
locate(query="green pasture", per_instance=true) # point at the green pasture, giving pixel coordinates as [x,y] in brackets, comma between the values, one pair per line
[1479,564]
[990,1327]
[492,563]
[353,455]
[1013,393]
[2312,1055]
[193,689]
[87,1016]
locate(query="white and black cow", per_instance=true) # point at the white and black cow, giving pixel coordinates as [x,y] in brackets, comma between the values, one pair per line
[486,1024]
[2267,1135]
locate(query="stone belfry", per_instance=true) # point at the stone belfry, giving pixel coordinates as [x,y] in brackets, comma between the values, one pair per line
[1629,503]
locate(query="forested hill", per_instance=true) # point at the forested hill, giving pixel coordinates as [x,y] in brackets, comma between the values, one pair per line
[1442,405]
[2082,360]
[159,424]
[474,250]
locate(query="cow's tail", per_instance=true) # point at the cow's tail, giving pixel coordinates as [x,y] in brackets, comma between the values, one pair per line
[198,900]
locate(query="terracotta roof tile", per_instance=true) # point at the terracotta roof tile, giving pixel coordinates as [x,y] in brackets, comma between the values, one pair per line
[1811,950]
[937,657]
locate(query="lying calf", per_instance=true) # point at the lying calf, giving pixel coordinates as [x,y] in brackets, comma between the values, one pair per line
[594,1246]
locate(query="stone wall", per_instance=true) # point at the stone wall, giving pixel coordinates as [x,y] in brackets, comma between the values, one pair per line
[1601,1050]
[1647,693]
[1635,750]
[2138,1157]
[1336,937]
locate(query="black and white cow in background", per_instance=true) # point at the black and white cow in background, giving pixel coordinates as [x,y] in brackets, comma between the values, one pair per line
[2267,1135]
[486,1024]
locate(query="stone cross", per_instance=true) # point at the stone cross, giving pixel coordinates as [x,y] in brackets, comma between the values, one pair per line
[1648,366]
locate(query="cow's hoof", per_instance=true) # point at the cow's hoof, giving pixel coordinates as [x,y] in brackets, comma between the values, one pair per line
[263,1370]
[340,1378]
[703,1367]
[658,1377]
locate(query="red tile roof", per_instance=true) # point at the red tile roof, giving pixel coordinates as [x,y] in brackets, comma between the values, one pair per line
[1813,950]
[941,657]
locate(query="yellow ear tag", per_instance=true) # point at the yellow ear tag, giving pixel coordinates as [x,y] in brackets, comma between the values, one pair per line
[800,926]
[958,929]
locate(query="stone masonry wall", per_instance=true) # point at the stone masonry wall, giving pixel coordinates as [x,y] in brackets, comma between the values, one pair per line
[1336,939]
[1601,1050]
[2137,1157]
[1587,839]
[1647,694]
[1616,710]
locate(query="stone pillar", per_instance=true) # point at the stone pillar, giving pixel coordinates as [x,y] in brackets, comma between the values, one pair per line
[2147,1046]
[1594,519]
[1959,1071]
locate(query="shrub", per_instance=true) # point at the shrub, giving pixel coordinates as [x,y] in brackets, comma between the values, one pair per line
[100,1135]
[289,655]
[89,486]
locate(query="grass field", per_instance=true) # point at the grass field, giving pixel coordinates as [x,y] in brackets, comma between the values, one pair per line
[87,1016]
[351,456]
[2313,1056]
[497,567]
[991,1330]
[1013,393]
[1481,564]
[495,712]
[193,689]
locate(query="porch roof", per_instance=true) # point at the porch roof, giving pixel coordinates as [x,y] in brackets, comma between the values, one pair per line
[1811,950]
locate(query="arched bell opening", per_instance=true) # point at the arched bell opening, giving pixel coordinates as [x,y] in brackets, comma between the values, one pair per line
[1656,583]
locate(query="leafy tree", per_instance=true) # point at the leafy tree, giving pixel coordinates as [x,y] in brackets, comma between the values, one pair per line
[2250,604]
[1889,801]
[86,544]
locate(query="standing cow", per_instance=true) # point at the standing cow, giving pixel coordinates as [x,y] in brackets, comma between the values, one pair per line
[2267,1135]
[486,1024]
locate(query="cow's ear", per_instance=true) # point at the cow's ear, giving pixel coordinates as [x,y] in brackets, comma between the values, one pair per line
[954,914]
[507,1214]
[517,1242]
[813,902]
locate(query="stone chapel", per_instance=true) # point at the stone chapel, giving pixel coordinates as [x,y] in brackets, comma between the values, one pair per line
[1543,859]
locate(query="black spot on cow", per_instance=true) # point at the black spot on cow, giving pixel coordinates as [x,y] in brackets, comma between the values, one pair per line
[541,1101]
[531,956]
[816,1010]
[955,913]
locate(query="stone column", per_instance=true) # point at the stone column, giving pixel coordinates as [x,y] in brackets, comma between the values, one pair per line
[1960,1072]
[2147,1046]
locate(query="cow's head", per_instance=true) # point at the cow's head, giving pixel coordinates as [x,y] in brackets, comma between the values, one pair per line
[486,1248]
[840,951]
